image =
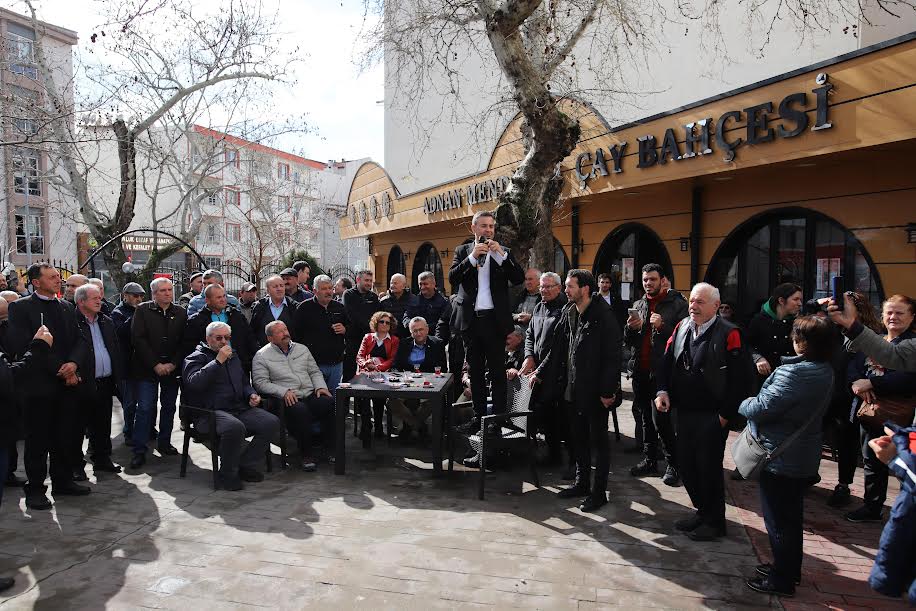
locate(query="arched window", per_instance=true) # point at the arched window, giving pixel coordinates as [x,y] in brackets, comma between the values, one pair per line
[427,260]
[560,260]
[622,255]
[396,264]
[789,245]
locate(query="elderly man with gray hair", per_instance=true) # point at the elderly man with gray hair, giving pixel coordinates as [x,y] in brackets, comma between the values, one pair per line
[706,372]
[425,353]
[100,371]
[156,332]
[320,323]
[213,378]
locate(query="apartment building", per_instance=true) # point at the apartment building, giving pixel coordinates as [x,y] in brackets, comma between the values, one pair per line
[33,211]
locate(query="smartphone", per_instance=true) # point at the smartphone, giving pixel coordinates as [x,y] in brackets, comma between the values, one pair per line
[482,239]
[633,313]
[836,288]
[335,317]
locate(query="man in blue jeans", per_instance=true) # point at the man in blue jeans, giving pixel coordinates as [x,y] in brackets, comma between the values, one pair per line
[320,323]
[156,334]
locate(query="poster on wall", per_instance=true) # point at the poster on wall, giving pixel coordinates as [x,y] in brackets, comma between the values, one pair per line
[627,273]
[625,291]
[826,269]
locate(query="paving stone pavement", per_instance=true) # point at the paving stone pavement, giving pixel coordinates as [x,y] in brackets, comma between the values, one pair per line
[389,535]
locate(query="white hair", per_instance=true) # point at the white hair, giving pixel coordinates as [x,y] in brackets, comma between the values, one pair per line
[399,277]
[709,289]
[417,319]
[427,275]
[98,282]
[156,282]
[269,327]
[552,276]
[81,293]
[322,279]
[215,326]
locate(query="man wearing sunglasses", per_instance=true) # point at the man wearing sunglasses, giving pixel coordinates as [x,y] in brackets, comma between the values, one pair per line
[213,378]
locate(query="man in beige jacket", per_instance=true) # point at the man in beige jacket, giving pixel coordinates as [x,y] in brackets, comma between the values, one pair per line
[287,372]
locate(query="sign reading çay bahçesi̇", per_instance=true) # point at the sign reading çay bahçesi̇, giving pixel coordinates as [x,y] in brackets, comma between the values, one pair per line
[760,126]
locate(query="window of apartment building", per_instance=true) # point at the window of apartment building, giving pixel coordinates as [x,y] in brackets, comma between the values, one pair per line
[232,157]
[210,232]
[233,232]
[25,171]
[283,171]
[20,43]
[25,127]
[233,196]
[283,204]
[30,231]
[213,262]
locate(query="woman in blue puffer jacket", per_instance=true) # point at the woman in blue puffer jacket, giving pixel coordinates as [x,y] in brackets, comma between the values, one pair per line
[801,384]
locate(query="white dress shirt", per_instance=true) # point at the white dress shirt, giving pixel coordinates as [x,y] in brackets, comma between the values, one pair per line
[484,299]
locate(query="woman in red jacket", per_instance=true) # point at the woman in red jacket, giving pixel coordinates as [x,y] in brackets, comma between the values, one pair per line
[376,353]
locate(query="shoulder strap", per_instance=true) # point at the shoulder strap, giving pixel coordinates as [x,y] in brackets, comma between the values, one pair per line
[814,414]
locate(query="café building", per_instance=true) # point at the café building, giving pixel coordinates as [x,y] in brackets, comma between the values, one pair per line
[801,177]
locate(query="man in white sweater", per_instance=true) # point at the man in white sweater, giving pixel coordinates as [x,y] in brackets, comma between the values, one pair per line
[286,371]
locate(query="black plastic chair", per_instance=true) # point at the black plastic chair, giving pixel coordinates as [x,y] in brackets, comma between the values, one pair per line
[516,428]
[189,414]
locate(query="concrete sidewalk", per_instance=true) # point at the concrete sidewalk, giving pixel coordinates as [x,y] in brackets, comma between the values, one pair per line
[389,535]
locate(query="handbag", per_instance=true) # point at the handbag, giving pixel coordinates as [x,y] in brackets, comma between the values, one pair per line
[898,411]
[751,458]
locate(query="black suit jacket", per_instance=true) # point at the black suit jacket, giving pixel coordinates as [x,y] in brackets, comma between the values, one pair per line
[261,315]
[25,316]
[464,275]
[110,337]
[435,355]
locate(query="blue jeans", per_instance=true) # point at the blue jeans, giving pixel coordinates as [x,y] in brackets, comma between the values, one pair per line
[128,390]
[332,375]
[147,391]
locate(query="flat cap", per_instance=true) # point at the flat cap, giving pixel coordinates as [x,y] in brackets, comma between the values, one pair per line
[132,288]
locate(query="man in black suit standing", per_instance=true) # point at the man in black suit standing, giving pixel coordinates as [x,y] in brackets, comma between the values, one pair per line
[50,412]
[483,271]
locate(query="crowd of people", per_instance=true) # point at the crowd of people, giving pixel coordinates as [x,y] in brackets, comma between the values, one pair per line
[252,363]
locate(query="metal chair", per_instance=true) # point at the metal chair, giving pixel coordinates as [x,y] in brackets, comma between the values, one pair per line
[188,415]
[516,427]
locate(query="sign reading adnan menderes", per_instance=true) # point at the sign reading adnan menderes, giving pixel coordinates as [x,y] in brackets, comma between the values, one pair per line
[477,193]
[696,137]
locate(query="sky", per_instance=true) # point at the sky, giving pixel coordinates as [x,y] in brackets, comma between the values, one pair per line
[342,105]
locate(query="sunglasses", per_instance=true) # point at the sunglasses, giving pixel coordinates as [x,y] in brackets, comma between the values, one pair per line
[384,322]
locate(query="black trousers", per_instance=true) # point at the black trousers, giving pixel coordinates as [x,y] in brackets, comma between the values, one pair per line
[876,472]
[553,419]
[302,414]
[93,409]
[349,361]
[782,500]
[848,450]
[656,426]
[485,351]
[700,450]
[591,436]
[51,425]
